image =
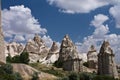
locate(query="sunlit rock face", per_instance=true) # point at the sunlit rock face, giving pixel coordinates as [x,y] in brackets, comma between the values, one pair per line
[13,49]
[68,55]
[53,54]
[36,49]
[92,57]
[106,62]
[2,45]
[67,50]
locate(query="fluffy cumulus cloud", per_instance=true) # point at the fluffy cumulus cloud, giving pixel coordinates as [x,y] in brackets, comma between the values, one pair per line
[100,29]
[77,6]
[18,21]
[115,12]
[99,35]
[80,6]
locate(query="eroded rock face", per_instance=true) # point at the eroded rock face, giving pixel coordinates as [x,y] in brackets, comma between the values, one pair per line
[13,48]
[53,54]
[36,49]
[68,55]
[67,49]
[106,62]
[2,44]
[92,57]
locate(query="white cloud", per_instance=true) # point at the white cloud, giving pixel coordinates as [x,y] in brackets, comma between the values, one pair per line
[99,20]
[18,20]
[48,41]
[78,6]
[19,38]
[100,29]
[115,12]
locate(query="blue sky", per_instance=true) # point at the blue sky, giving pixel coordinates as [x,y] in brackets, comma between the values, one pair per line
[86,21]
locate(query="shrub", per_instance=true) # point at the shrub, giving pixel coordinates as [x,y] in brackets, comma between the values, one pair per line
[35,76]
[85,64]
[22,58]
[73,76]
[58,64]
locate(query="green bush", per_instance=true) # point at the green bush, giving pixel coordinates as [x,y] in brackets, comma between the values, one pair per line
[35,76]
[85,64]
[58,64]
[74,76]
[98,77]
[22,58]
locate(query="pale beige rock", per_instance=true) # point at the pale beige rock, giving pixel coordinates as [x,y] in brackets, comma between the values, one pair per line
[106,62]
[36,49]
[13,49]
[68,55]
[92,58]
[2,45]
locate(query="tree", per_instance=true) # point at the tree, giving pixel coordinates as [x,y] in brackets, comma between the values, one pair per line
[24,57]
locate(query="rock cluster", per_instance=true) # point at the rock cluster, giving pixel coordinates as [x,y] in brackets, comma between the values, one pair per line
[13,49]
[36,49]
[106,63]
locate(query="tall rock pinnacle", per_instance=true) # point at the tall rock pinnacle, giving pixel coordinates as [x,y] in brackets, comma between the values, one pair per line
[2,49]
[67,49]
[92,57]
[106,62]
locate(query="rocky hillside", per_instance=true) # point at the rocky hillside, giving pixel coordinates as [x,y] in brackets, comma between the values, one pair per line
[27,72]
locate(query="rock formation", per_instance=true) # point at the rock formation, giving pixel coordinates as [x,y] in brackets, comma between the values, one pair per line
[2,49]
[92,57]
[67,49]
[36,49]
[69,55]
[53,54]
[13,48]
[106,63]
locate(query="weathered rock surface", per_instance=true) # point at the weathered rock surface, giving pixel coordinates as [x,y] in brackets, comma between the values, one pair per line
[36,49]
[27,72]
[67,49]
[92,57]
[13,48]
[68,55]
[53,54]
[2,45]
[106,62]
